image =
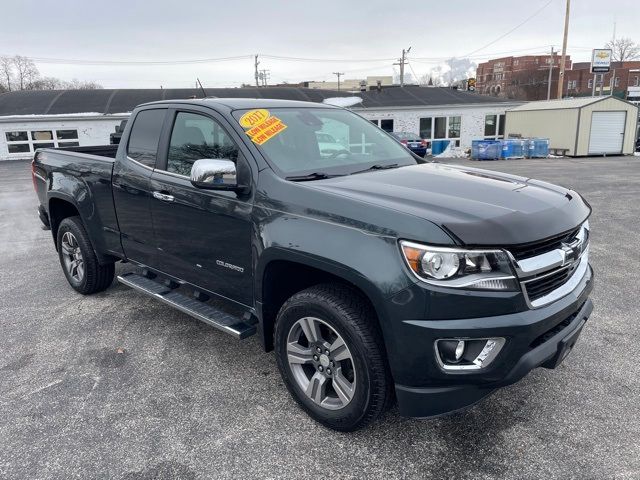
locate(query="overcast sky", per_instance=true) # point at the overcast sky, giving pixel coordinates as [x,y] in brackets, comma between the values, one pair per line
[371,30]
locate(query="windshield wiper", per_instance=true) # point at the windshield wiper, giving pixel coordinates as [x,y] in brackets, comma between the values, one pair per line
[310,176]
[376,167]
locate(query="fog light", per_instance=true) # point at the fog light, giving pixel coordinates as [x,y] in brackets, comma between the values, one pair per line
[468,353]
[451,351]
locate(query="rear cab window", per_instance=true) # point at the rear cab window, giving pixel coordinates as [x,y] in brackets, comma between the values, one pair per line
[145,136]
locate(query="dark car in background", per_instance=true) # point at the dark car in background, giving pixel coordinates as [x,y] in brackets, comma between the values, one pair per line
[413,142]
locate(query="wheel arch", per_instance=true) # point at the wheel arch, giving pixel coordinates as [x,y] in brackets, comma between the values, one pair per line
[61,206]
[283,273]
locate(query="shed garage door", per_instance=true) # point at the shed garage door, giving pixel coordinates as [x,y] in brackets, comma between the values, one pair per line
[607,132]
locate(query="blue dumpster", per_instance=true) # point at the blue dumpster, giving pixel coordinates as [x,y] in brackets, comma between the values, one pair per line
[486,149]
[439,146]
[513,148]
[538,148]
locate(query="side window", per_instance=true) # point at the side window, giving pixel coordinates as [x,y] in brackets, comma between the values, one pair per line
[387,125]
[195,137]
[145,135]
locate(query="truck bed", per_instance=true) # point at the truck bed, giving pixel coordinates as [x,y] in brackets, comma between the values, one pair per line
[108,151]
[80,176]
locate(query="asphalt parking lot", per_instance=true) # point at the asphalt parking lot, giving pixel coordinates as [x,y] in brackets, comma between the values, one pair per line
[117,385]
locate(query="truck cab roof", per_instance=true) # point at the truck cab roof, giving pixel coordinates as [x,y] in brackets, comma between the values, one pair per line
[242,103]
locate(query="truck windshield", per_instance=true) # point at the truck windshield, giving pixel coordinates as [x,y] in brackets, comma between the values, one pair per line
[300,141]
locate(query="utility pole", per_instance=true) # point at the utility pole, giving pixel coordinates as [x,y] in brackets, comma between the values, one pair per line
[402,62]
[255,69]
[613,44]
[338,74]
[264,76]
[550,74]
[564,50]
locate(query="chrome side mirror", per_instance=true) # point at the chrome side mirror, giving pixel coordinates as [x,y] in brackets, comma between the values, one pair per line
[214,174]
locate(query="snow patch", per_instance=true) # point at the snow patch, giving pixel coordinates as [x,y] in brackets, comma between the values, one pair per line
[452,152]
[79,114]
[344,102]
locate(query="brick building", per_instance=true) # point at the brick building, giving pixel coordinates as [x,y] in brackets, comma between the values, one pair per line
[522,78]
[622,78]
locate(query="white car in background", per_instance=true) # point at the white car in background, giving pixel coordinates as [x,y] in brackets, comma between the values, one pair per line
[329,146]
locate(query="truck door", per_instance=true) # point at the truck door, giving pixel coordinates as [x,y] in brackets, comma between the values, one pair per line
[203,236]
[131,194]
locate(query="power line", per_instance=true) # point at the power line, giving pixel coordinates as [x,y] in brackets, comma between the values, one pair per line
[428,60]
[124,62]
[414,73]
[350,60]
[512,30]
[75,61]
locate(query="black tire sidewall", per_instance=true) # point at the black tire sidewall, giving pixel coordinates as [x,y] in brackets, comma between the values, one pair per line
[350,415]
[71,225]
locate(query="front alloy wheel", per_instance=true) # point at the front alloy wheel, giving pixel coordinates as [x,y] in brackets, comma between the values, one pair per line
[331,356]
[321,363]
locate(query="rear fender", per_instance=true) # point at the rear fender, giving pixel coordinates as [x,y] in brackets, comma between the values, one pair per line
[84,210]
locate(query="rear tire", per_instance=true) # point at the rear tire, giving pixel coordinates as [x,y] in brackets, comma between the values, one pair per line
[78,259]
[331,327]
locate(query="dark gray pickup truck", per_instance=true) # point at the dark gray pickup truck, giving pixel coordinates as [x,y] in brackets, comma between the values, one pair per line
[375,276]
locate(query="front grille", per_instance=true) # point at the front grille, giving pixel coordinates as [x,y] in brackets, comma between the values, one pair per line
[527,250]
[539,287]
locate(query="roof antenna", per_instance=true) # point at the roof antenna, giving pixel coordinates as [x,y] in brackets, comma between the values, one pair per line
[204,94]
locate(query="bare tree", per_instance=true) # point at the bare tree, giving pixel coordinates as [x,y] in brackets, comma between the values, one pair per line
[20,73]
[47,83]
[26,72]
[624,49]
[6,73]
[76,84]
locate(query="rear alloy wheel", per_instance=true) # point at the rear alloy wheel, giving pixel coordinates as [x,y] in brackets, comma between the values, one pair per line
[78,259]
[72,257]
[331,356]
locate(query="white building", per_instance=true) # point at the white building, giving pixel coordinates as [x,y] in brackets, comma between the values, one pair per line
[37,119]
[354,84]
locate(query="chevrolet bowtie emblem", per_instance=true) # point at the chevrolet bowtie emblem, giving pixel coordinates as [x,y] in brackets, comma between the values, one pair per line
[571,252]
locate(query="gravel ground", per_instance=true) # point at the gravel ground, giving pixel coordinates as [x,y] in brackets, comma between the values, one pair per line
[183,400]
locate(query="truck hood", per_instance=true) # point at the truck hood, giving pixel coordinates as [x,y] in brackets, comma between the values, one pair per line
[476,207]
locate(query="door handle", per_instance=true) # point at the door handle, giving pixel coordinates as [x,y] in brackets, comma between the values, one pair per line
[163,196]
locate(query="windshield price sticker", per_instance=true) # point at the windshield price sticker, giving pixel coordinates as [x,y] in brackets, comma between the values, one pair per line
[261,125]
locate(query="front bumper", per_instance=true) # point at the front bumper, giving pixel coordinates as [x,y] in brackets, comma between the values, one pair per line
[540,337]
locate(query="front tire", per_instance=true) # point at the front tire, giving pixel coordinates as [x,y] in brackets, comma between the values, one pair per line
[331,356]
[78,260]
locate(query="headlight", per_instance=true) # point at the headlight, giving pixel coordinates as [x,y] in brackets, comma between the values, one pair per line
[451,267]
[583,236]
